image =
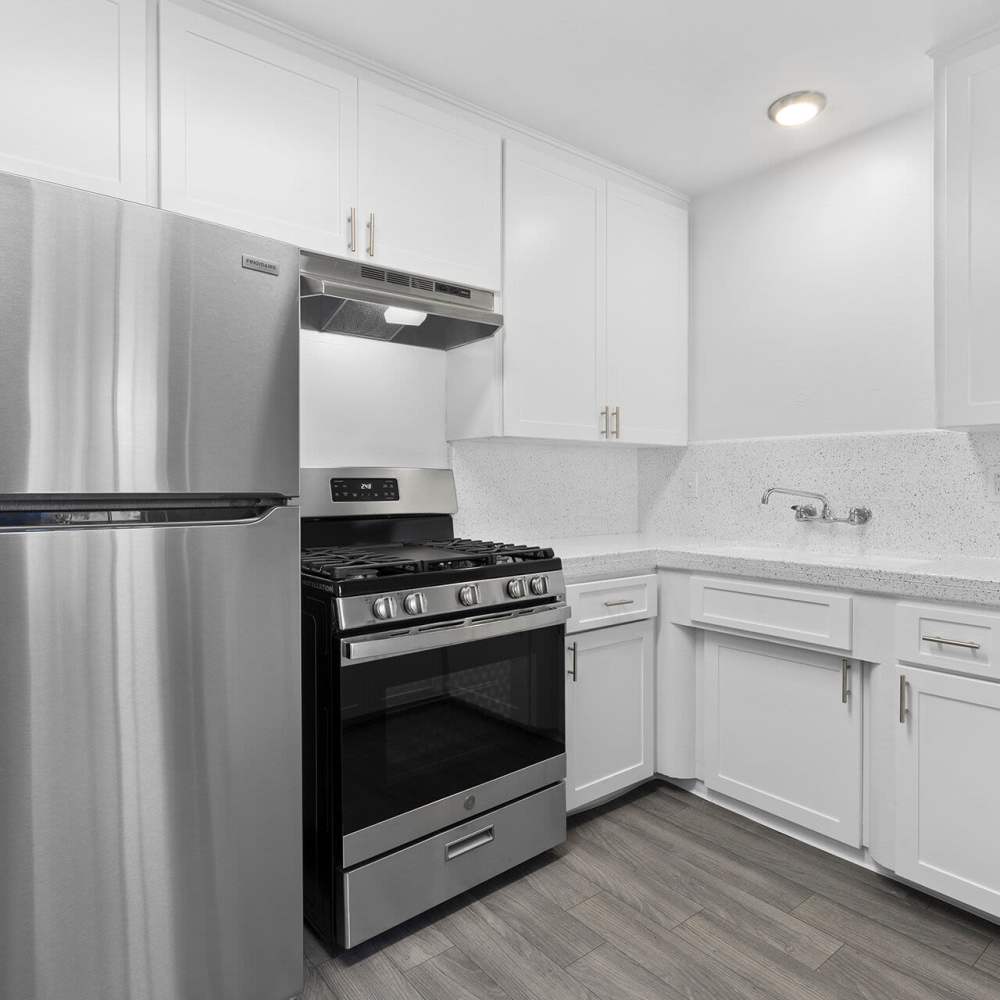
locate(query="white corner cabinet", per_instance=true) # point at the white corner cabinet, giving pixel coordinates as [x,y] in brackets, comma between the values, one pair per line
[609,688]
[861,721]
[967,227]
[595,304]
[73,94]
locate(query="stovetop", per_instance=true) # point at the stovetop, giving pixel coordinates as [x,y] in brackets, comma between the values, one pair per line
[352,562]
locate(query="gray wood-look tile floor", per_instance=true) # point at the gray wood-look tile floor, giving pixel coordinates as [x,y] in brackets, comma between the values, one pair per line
[663,895]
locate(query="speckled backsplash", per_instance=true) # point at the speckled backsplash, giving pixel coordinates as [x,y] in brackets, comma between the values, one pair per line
[927,491]
[527,491]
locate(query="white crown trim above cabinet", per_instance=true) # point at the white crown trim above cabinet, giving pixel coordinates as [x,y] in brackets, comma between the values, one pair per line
[430,187]
[255,135]
[967,227]
[73,95]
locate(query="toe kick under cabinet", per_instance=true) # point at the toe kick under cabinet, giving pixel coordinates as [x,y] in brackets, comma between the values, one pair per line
[609,688]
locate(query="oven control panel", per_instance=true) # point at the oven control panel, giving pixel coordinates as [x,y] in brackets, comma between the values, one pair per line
[358,490]
[354,612]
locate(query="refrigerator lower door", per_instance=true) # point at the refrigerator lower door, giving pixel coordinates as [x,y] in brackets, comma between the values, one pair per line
[150,762]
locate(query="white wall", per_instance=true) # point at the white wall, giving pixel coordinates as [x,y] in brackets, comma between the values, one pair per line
[812,292]
[364,402]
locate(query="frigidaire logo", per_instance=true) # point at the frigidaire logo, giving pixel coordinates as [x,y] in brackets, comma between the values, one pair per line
[257,264]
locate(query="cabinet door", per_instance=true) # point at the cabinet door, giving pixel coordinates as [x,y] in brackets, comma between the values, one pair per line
[255,136]
[647,274]
[553,338]
[947,793]
[73,94]
[782,729]
[431,183]
[609,711]
[968,237]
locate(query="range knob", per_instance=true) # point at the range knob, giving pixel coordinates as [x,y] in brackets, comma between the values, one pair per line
[539,585]
[414,604]
[515,588]
[468,595]
[384,608]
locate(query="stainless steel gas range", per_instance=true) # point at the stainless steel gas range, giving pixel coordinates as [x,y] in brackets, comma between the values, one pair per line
[433,697]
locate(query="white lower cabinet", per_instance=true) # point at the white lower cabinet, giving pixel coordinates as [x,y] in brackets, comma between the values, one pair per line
[947,792]
[782,732]
[609,711]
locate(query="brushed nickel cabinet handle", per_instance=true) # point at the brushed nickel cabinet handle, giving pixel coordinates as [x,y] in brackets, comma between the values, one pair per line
[371,234]
[903,710]
[845,682]
[604,422]
[352,239]
[617,432]
[572,672]
[617,604]
[941,641]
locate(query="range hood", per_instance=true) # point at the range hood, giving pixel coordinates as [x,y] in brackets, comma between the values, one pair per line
[362,300]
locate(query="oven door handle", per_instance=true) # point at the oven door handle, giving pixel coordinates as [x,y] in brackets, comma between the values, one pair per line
[377,647]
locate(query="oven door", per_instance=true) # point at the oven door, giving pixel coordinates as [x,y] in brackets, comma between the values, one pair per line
[445,721]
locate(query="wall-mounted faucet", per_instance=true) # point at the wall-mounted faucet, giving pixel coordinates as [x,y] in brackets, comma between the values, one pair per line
[807,512]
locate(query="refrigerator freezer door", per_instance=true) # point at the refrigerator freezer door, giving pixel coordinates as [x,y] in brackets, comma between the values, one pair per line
[150,762]
[142,352]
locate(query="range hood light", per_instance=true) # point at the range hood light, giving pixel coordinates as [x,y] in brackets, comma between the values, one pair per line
[398,316]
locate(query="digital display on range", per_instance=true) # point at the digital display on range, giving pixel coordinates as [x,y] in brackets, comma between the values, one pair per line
[355,490]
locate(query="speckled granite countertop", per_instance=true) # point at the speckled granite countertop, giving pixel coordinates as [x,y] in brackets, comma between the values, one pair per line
[960,579]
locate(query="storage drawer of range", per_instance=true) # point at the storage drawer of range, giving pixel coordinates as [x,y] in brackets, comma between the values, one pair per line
[378,895]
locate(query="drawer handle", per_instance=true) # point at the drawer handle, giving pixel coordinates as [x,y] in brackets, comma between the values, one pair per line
[465,844]
[941,641]
[617,604]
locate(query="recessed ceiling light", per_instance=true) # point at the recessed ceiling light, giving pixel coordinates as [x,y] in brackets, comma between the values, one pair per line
[797,109]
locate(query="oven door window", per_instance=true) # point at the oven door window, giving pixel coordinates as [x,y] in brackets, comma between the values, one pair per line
[419,727]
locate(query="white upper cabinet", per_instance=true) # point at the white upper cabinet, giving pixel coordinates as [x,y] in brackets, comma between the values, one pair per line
[430,190]
[595,304]
[255,135]
[73,94]
[647,316]
[967,215]
[553,339]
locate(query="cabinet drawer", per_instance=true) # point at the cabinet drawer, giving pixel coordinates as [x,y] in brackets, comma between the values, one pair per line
[948,638]
[801,614]
[611,602]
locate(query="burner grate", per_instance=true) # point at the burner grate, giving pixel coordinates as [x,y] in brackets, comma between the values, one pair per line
[359,561]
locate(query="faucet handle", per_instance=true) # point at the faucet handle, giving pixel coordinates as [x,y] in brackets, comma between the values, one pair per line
[804,511]
[859,515]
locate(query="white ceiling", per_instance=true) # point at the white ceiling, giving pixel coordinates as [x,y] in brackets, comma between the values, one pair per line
[674,89]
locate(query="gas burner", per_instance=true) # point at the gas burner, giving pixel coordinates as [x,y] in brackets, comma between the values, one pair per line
[359,561]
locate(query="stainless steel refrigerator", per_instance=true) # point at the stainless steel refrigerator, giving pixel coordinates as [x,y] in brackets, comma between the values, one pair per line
[150,758]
